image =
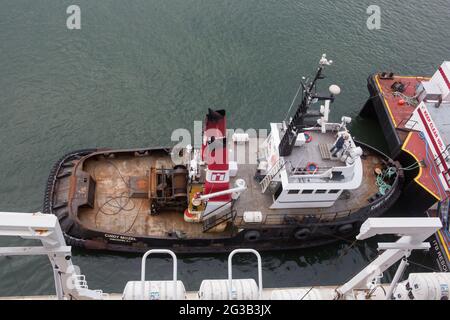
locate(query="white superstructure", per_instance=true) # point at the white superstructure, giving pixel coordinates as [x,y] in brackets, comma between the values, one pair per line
[311,177]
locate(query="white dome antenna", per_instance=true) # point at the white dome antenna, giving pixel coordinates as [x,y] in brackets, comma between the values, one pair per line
[334,90]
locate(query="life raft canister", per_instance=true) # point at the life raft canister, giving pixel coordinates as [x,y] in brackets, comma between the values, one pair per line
[308,136]
[312,167]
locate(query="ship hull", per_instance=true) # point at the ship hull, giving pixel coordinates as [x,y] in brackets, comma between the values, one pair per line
[288,235]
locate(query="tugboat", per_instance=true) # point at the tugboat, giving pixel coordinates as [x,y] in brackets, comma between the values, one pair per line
[311,184]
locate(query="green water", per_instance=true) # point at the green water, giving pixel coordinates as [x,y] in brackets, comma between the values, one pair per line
[138,69]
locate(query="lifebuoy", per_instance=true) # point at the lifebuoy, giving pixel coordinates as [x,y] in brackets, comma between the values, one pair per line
[312,167]
[308,137]
[252,235]
[302,234]
[346,228]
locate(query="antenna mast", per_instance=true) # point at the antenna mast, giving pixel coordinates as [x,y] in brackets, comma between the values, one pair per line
[309,96]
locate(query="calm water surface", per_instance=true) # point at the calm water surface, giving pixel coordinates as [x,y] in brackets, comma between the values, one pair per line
[138,69]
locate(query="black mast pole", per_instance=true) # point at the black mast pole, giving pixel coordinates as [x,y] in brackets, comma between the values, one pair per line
[290,136]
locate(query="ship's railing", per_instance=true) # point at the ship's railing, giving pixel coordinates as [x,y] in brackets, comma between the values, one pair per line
[213,213]
[302,169]
[439,160]
[218,219]
[286,218]
[277,218]
[408,124]
[443,156]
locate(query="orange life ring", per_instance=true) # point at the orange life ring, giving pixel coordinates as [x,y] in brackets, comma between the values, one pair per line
[312,167]
[308,136]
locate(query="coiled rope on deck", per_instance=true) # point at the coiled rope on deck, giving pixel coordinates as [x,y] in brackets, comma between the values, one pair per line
[383,186]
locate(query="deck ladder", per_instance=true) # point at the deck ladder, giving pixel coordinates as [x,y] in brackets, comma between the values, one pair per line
[271,174]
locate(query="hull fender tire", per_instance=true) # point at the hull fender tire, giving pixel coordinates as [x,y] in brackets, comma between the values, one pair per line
[302,234]
[252,235]
[346,228]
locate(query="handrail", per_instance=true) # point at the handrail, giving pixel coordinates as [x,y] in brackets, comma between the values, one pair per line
[224,217]
[174,258]
[442,155]
[230,271]
[404,122]
[278,217]
[220,207]
[335,215]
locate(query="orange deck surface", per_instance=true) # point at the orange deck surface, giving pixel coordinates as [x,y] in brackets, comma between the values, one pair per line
[399,113]
[413,144]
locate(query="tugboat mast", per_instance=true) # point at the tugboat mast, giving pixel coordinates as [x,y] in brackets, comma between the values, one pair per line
[309,96]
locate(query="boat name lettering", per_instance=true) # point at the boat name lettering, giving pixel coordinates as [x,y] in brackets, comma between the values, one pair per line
[433,128]
[116,237]
[379,204]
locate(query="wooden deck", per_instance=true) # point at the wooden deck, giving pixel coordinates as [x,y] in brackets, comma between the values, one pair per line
[311,152]
[116,212]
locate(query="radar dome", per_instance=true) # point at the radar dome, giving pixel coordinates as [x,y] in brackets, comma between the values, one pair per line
[334,89]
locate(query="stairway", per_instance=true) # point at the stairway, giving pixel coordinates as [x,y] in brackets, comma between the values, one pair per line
[271,174]
[213,222]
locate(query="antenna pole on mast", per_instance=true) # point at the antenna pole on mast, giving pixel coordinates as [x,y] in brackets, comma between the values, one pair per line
[309,95]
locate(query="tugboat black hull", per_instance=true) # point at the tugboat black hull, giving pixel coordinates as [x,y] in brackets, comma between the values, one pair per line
[291,234]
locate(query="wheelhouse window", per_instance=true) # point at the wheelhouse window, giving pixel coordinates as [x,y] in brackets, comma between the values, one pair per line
[293,191]
[307,191]
[334,191]
[321,191]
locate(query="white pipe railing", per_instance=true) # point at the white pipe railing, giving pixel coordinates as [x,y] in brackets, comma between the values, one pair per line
[174,257]
[230,271]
